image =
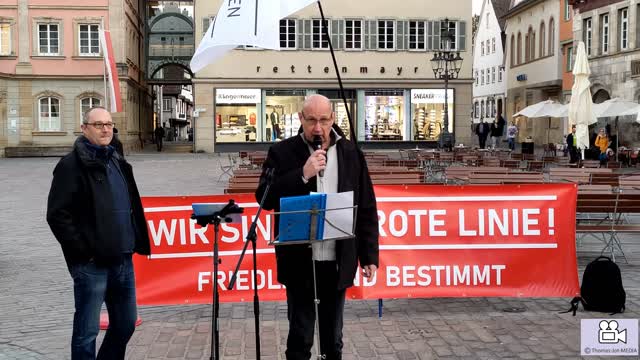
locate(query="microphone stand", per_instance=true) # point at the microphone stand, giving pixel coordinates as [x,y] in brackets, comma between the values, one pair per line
[251,237]
[216,218]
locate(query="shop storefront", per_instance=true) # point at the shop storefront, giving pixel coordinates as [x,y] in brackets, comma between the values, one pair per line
[237,111]
[281,113]
[339,109]
[384,115]
[427,109]
[381,116]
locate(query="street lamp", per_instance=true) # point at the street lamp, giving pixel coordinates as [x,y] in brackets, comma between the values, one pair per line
[446,65]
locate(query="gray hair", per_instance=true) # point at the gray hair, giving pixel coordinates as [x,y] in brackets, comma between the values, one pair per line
[85,115]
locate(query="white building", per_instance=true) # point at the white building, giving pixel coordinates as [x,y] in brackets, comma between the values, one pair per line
[490,87]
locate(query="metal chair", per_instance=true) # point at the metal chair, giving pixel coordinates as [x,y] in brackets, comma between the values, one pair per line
[227,169]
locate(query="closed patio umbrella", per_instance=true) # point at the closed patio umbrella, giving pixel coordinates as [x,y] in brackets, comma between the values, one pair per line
[580,106]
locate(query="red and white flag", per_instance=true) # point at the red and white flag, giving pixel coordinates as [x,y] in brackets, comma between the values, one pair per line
[115,101]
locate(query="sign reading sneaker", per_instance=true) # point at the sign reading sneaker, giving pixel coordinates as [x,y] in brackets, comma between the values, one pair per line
[427,109]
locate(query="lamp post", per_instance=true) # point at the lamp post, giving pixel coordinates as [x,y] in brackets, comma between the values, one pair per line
[446,66]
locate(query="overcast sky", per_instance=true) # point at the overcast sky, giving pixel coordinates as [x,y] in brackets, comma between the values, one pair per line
[476,6]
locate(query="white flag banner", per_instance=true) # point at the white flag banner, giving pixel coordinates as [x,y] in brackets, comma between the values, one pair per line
[247,22]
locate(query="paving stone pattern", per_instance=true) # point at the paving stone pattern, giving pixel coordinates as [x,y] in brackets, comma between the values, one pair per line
[36,299]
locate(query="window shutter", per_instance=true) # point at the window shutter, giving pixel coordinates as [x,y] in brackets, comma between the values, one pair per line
[436,35]
[429,31]
[462,35]
[372,34]
[341,34]
[205,24]
[306,31]
[401,35]
[299,34]
[335,33]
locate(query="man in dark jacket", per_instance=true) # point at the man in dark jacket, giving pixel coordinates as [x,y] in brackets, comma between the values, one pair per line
[94,211]
[482,130]
[574,155]
[116,143]
[297,170]
[159,133]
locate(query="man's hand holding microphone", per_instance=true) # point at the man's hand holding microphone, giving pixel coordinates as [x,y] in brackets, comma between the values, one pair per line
[317,162]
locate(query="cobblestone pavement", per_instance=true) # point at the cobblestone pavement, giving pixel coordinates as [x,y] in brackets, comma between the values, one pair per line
[36,293]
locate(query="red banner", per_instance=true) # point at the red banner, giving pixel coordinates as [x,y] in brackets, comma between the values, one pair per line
[435,241]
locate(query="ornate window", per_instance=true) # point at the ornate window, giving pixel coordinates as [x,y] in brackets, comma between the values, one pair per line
[88,103]
[49,114]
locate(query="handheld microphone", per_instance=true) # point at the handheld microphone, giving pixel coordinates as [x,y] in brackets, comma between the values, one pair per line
[317,145]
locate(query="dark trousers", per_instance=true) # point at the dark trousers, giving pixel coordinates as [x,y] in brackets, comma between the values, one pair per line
[574,155]
[301,314]
[159,143]
[96,284]
[483,141]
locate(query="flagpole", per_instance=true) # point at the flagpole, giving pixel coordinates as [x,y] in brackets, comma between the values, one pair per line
[335,65]
[104,69]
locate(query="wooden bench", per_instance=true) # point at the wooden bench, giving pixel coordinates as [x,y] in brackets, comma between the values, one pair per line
[575,175]
[510,164]
[405,178]
[535,165]
[590,164]
[461,173]
[609,178]
[630,181]
[511,178]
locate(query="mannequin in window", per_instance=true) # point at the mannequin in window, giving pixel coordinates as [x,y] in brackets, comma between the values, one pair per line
[275,124]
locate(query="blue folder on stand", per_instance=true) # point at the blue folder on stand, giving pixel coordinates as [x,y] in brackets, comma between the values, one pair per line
[297,225]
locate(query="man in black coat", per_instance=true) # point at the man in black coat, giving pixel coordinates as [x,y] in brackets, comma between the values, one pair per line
[94,211]
[482,130]
[297,170]
[159,133]
[574,155]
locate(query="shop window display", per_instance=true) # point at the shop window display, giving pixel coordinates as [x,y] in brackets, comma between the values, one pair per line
[384,115]
[281,113]
[337,104]
[236,114]
[427,106]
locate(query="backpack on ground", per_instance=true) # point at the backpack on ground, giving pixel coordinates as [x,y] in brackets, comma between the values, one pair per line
[601,288]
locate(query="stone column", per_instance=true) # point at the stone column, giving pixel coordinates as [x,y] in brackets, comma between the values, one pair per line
[24,36]
[204,129]
[26,116]
[633,25]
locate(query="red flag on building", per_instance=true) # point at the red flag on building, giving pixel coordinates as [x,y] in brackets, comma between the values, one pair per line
[115,101]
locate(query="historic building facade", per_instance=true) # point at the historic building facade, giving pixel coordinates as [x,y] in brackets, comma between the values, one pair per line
[489,88]
[534,65]
[51,70]
[251,97]
[609,30]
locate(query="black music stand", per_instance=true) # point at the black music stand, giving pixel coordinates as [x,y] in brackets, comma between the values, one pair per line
[215,214]
[310,241]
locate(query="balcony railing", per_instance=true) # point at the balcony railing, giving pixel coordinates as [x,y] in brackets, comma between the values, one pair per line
[169,51]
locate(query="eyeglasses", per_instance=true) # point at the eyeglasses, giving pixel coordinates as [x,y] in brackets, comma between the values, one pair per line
[322,122]
[100,126]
